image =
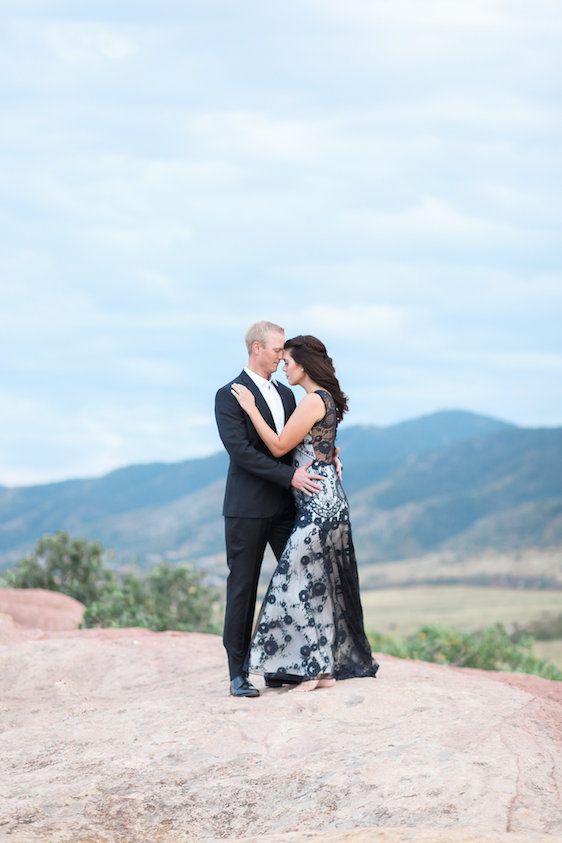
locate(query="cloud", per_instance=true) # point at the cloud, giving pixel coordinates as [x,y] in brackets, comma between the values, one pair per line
[94,439]
[86,42]
[356,321]
[158,282]
[432,221]
[152,372]
[257,134]
[538,363]
[390,183]
[144,236]
[477,15]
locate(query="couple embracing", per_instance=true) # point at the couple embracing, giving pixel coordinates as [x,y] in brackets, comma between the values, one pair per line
[284,489]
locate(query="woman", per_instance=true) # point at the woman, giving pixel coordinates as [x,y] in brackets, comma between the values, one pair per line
[310,627]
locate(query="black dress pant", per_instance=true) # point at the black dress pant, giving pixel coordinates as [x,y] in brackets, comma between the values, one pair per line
[246,540]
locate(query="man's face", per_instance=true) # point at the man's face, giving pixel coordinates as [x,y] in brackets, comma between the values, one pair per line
[271,352]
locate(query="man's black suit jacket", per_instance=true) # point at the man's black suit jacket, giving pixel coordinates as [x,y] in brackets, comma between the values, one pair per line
[257,484]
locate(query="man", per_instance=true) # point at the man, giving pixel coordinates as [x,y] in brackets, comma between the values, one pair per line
[258,503]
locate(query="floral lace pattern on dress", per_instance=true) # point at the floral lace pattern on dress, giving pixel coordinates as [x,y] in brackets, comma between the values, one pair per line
[311,620]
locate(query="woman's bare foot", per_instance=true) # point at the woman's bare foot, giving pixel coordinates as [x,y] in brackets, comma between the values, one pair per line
[312,684]
[309,685]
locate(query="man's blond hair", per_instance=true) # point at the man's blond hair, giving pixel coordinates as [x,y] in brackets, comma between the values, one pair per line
[258,333]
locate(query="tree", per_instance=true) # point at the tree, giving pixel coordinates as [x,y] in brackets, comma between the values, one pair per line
[180,599]
[168,597]
[61,563]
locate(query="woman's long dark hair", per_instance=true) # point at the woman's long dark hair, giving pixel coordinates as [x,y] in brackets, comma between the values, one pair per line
[311,354]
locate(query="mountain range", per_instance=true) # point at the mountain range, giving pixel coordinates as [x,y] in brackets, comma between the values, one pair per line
[450,482]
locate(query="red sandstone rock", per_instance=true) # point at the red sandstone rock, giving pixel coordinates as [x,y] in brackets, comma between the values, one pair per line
[37,608]
[130,735]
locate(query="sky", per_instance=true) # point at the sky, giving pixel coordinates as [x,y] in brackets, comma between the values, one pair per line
[385,174]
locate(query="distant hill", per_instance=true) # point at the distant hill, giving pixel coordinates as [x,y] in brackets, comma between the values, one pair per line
[90,507]
[448,481]
[502,492]
[371,452]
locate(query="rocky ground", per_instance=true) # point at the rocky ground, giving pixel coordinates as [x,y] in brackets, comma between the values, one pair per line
[127,735]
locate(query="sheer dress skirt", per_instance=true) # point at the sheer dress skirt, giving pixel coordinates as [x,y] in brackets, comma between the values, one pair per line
[311,620]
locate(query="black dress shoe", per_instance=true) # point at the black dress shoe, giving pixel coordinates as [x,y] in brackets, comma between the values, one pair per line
[271,681]
[276,680]
[241,687]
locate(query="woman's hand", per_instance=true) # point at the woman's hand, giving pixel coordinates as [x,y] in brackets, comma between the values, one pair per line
[337,463]
[244,397]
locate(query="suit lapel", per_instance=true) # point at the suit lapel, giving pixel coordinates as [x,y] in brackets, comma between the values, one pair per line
[261,403]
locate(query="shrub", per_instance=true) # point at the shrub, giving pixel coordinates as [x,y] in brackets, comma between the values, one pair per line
[489,648]
[168,597]
[546,628]
[61,563]
[122,603]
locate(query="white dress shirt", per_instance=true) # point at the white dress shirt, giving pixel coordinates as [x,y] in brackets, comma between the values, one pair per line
[272,397]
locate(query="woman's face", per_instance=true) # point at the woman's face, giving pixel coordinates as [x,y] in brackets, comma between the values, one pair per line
[294,372]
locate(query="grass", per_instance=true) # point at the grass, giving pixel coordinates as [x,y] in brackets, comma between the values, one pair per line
[549,650]
[402,611]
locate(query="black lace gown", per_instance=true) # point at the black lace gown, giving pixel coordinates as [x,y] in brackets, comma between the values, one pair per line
[311,620]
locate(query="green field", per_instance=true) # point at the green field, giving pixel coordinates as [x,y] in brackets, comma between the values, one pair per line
[403,610]
[550,651]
